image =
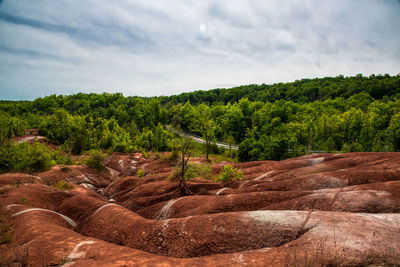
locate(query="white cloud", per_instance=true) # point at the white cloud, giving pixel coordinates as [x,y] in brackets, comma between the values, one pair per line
[166,47]
[203,28]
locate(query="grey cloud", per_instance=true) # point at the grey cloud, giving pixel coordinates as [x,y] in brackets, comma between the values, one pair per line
[103,34]
[149,47]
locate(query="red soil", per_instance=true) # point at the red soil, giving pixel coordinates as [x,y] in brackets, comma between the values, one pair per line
[313,210]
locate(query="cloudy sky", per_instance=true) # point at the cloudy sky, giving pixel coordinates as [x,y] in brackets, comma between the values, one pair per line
[147,48]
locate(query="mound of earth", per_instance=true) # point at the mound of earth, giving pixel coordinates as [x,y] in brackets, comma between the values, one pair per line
[315,210]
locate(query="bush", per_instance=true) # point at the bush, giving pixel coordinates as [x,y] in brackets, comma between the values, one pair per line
[27,157]
[198,170]
[95,161]
[193,170]
[61,185]
[140,173]
[229,173]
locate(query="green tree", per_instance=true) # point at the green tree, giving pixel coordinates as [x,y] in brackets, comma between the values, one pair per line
[204,124]
[393,132]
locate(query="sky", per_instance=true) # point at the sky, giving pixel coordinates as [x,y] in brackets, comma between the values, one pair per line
[152,47]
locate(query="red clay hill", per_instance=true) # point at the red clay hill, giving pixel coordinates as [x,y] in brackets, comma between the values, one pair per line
[314,210]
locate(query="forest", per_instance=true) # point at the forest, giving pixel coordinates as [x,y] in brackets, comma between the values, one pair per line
[267,122]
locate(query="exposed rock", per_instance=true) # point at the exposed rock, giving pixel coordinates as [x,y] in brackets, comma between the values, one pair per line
[324,209]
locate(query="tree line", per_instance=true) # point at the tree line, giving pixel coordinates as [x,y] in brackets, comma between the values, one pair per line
[300,91]
[266,121]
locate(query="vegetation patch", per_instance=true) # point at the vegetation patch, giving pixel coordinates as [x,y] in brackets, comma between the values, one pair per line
[95,161]
[266,122]
[24,201]
[30,158]
[63,185]
[140,173]
[198,170]
[229,173]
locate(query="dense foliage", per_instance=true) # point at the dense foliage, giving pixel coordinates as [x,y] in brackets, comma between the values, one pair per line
[89,121]
[266,121]
[301,91]
[29,157]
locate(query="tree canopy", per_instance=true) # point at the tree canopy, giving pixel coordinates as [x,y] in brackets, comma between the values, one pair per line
[266,121]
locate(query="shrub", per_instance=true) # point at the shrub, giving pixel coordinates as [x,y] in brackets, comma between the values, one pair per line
[193,170]
[60,157]
[229,173]
[198,170]
[95,161]
[61,185]
[26,157]
[140,173]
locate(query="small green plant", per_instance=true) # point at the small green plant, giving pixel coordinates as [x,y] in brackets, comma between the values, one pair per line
[95,161]
[191,172]
[229,173]
[198,170]
[24,201]
[140,173]
[62,185]
[145,154]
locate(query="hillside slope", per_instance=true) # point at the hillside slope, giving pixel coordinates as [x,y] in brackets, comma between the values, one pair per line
[337,209]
